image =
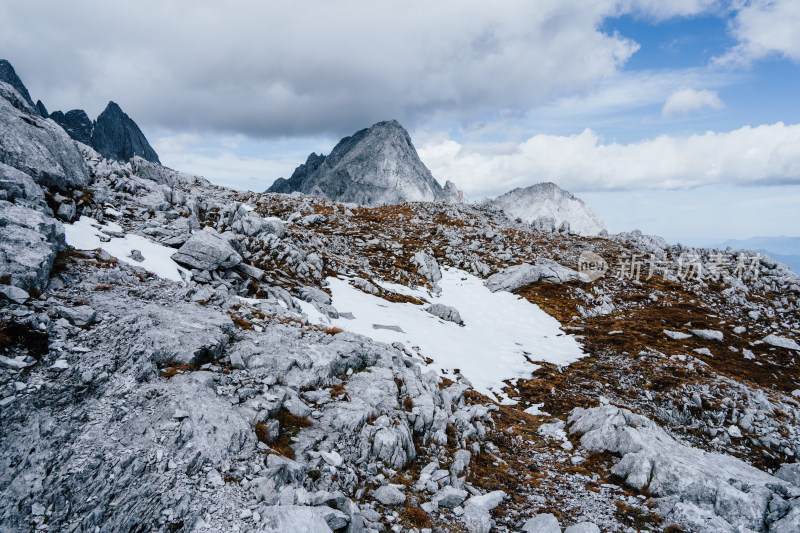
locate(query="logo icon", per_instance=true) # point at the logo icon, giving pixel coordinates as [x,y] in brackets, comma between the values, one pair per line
[591,266]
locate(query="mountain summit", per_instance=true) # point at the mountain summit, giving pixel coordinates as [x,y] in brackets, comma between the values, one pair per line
[550,207]
[114,134]
[9,75]
[375,166]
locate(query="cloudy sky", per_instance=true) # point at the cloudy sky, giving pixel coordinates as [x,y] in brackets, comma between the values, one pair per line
[677,117]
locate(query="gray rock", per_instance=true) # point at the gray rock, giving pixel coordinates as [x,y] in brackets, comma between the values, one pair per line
[182,333]
[545,270]
[15,184]
[542,523]
[452,195]
[450,497]
[40,148]
[66,211]
[154,171]
[789,472]
[42,109]
[283,518]
[207,250]
[687,482]
[76,123]
[476,511]
[445,312]
[583,527]
[374,166]
[389,495]
[116,136]
[9,75]
[14,294]
[427,266]
[82,315]
[29,243]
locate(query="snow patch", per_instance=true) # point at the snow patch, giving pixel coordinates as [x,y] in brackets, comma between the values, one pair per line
[88,234]
[501,336]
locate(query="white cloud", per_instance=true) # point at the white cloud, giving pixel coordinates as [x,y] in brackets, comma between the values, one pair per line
[763,155]
[764,28]
[684,101]
[300,67]
[233,160]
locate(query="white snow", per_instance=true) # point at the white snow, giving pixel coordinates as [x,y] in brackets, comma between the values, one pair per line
[502,333]
[86,234]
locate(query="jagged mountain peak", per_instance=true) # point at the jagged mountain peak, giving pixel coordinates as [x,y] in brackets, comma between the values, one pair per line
[117,136]
[9,75]
[374,166]
[548,206]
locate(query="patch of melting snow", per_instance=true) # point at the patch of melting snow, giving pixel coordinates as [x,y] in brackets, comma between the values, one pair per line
[88,234]
[501,337]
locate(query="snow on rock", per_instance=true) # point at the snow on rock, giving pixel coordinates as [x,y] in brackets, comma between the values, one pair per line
[88,234]
[547,206]
[501,332]
[702,491]
[512,278]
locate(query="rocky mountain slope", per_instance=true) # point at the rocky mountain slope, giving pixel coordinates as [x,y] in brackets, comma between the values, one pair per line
[176,356]
[375,166]
[546,205]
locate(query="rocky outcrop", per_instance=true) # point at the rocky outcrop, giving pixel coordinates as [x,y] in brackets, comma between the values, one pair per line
[445,312]
[545,270]
[9,75]
[452,195]
[29,242]
[208,250]
[42,109]
[548,207]
[116,136]
[696,489]
[375,166]
[76,123]
[37,146]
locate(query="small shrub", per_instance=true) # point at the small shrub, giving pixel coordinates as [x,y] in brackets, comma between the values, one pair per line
[243,323]
[333,331]
[416,517]
[262,433]
[169,370]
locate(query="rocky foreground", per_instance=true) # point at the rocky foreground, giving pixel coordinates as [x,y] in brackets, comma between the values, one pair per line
[165,373]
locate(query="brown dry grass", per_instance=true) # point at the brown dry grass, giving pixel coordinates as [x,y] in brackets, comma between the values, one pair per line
[172,369]
[290,426]
[262,433]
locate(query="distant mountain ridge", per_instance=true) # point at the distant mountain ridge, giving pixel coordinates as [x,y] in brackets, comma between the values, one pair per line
[548,206]
[783,249]
[375,166]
